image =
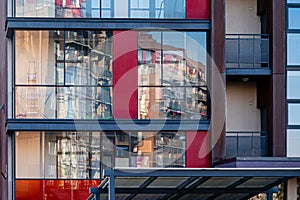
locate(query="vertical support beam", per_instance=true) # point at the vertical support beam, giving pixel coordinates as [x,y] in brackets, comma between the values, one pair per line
[111,195]
[217,82]
[3,101]
[278,78]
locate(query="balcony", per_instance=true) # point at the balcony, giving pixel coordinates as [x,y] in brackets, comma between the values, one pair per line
[247,54]
[246,144]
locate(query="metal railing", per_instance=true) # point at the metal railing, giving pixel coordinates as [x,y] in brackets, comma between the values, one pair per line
[247,51]
[246,144]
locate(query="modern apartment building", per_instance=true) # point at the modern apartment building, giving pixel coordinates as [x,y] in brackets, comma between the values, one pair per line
[149,99]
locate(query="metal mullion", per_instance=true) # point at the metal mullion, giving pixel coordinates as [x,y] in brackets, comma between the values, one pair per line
[13,103]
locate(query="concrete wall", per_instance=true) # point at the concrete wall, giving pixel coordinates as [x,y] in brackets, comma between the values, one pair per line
[241,111]
[241,17]
[3,101]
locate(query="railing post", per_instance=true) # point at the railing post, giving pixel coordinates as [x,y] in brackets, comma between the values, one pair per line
[239,52]
[253,53]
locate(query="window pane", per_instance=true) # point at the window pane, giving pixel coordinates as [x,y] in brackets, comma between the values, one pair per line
[146,9]
[294,15]
[293,1]
[70,57]
[293,82]
[84,103]
[35,56]
[173,103]
[73,155]
[28,155]
[144,149]
[35,102]
[293,114]
[293,140]
[293,49]
[149,58]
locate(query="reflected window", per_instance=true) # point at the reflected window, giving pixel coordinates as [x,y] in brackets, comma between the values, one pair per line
[83,155]
[172,75]
[101,8]
[293,49]
[293,81]
[293,139]
[63,74]
[294,15]
[293,114]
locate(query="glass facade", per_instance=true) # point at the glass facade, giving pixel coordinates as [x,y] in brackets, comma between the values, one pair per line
[101,8]
[68,74]
[83,155]
[293,49]
[172,75]
[293,15]
[63,74]
[293,78]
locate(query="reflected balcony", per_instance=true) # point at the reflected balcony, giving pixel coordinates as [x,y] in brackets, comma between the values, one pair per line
[247,54]
[246,144]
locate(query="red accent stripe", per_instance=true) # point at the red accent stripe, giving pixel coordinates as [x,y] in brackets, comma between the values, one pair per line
[197,149]
[125,79]
[198,9]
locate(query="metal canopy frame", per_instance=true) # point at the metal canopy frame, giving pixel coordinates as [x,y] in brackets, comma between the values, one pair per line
[193,179]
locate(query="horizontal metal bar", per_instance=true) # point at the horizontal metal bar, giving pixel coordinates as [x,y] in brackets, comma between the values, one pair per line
[249,71]
[185,191]
[84,24]
[247,34]
[105,125]
[204,172]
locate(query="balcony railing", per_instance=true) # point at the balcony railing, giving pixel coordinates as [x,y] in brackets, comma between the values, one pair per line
[247,51]
[246,144]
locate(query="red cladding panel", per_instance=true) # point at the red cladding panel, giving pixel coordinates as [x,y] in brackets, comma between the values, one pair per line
[54,189]
[197,149]
[198,9]
[125,79]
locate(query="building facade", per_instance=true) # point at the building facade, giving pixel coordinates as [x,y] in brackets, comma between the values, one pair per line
[95,85]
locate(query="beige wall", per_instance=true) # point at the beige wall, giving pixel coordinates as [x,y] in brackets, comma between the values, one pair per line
[241,113]
[241,17]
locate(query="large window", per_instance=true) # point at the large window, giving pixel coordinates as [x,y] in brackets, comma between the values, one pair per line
[172,75]
[63,74]
[69,74]
[101,8]
[83,155]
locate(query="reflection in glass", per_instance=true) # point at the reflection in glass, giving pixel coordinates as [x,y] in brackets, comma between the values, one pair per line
[107,8]
[48,63]
[293,1]
[294,15]
[173,103]
[172,75]
[293,49]
[293,114]
[83,155]
[293,82]
[293,140]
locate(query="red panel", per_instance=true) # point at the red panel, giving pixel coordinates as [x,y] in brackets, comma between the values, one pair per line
[198,151]
[54,189]
[125,79]
[198,9]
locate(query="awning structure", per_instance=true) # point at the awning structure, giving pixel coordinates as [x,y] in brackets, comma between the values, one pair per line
[190,183]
